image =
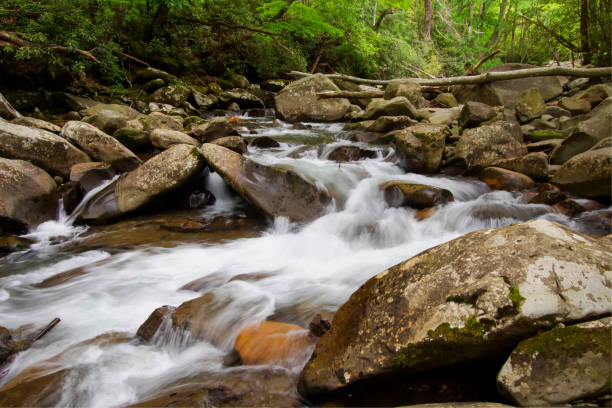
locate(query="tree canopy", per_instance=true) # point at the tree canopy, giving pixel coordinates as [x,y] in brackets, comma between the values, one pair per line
[370,38]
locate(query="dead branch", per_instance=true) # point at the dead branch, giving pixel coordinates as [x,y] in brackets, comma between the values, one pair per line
[381,17]
[132,58]
[484,59]
[418,70]
[350,94]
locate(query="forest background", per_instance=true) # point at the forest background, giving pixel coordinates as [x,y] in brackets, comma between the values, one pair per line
[109,39]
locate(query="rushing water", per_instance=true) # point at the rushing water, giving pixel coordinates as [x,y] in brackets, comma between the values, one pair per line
[307,268]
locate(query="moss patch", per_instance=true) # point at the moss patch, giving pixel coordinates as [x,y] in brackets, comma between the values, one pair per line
[516,298]
[572,341]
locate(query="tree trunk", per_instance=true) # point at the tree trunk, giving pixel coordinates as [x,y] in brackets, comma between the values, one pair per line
[584,32]
[471,20]
[428,16]
[502,13]
[384,14]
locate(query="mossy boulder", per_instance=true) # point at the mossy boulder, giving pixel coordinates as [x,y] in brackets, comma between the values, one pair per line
[560,365]
[472,298]
[28,196]
[244,99]
[298,101]
[133,138]
[275,191]
[388,123]
[406,88]
[159,120]
[446,100]
[482,146]
[398,106]
[164,138]
[474,113]
[545,134]
[419,148]
[100,146]
[160,175]
[529,105]
[174,95]
[45,149]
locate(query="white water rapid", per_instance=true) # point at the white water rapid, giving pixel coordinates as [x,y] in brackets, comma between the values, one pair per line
[308,268]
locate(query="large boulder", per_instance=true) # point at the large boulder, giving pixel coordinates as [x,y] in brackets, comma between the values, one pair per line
[28,195]
[159,175]
[482,146]
[534,165]
[505,92]
[159,120]
[529,105]
[588,174]
[275,191]
[474,113]
[242,97]
[595,94]
[559,366]
[406,88]
[46,150]
[419,148]
[100,146]
[575,105]
[583,137]
[398,106]
[472,298]
[298,101]
[502,179]
[6,109]
[123,111]
[215,128]
[175,95]
[164,138]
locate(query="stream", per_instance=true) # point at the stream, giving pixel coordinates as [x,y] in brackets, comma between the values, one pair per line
[301,270]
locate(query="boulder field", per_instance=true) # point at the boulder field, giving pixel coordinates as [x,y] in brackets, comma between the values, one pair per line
[528,302]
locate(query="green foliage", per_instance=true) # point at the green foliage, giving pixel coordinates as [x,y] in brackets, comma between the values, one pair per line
[267,38]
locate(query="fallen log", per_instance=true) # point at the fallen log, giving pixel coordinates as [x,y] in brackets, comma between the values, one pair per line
[481,78]
[350,94]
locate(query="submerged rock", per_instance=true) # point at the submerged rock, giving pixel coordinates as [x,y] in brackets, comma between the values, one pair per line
[560,366]
[273,343]
[28,196]
[350,153]
[46,150]
[469,299]
[100,146]
[298,101]
[419,196]
[275,191]
[235,143]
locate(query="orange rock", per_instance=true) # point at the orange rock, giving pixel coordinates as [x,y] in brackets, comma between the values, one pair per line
[501,179]
[272,342]
[234,119]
